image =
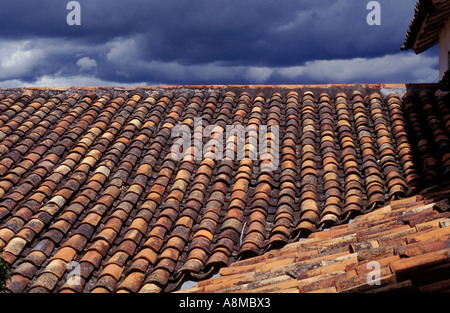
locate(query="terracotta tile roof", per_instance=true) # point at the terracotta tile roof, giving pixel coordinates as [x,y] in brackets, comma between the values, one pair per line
[87,175]
[404,246]
[429,18]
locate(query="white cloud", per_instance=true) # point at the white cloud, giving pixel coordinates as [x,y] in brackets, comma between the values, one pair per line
[125,55]
[404,67]
[122,50]
[13,83]
[258,74]
[401,66]
[18,58]
[22,58]
[308,17]
[86,63]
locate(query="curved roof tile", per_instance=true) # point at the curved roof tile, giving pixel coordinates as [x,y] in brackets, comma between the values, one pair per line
[92,177]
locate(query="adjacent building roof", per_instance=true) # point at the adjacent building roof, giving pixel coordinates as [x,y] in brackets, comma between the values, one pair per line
[88,175]
[429,18]
[404,246]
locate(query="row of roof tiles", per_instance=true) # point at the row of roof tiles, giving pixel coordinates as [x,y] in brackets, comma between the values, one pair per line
[90,177]
[404,246]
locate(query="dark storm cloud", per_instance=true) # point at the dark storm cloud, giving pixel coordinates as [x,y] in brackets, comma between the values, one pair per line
[196,41]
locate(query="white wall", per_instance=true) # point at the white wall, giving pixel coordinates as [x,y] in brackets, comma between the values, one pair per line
[444,49]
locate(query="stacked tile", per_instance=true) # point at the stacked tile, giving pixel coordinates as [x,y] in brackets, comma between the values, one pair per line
[393,176]
[18,134]
[426,159]
[34,127]
[284,215]
[23,163]
[403,146]
[41,215]
[404,246]
[202,240]
[101,238]
[165,256]
[230,231]
[168,251]
[93,178]
[7,102]
[352,189]
[145,251]
[443,109]
[309,177]
[66,250]
[255,232]
[31,205]
[169,209]
[171,256]
[373,177]
[14,114]
[22,117]
[61,224]
[330,159]
[438,131]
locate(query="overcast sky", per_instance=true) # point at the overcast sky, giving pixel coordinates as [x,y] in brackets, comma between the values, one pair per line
[153,42]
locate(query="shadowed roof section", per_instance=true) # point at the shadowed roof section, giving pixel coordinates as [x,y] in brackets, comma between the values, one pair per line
[402,247]
[429,18]
[88,175]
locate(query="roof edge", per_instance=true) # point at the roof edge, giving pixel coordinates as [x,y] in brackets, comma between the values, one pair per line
[231,86]
[420,15]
